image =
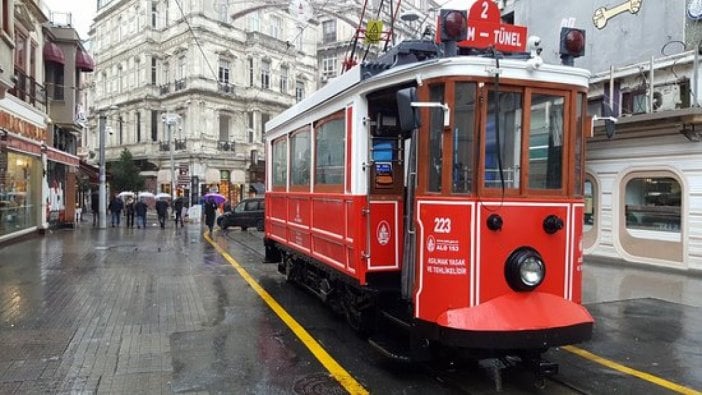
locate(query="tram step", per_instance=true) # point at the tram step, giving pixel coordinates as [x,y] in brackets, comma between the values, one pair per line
[391,348]
[393,318]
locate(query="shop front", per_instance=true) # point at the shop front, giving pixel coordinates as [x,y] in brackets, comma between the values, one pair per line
[20,192]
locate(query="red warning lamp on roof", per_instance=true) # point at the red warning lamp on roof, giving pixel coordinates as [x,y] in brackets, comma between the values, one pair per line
[453,24]
[572,44]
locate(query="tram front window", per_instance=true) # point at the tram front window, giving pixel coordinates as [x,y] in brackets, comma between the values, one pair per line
[436,140]
[510,141]
[546,142]
[463,146]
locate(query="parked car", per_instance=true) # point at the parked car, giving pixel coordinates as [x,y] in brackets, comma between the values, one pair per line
[247,214]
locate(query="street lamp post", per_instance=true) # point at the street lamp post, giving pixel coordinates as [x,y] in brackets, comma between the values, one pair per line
[171,119]
[102,190]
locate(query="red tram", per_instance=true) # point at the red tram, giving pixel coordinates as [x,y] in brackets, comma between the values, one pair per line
[438,199]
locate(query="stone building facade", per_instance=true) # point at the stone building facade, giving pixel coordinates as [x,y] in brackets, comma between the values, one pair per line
[198,77]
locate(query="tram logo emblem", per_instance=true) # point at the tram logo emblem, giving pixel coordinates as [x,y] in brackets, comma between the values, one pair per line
[383,233]
[431,244]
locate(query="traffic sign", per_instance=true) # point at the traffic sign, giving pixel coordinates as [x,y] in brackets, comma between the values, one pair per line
[485,29]
[373,31]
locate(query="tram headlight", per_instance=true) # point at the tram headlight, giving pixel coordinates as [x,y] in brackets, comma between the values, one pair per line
[525,270]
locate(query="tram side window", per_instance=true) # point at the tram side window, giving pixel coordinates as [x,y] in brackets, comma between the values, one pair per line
[300,158]
[436,139]
[329,155]
[510,138]
[463,137]
[546,142]
[280,163]
[579,135]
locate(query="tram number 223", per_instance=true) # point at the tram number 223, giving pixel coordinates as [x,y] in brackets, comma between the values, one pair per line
[442,225]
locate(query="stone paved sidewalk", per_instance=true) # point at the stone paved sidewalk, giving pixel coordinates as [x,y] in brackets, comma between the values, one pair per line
[127,311]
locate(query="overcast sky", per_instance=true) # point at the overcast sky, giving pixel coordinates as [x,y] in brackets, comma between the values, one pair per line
[82,13]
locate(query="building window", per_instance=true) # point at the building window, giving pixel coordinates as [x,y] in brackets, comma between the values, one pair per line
[265,75]
[280,162]
[154,70]
[299,90]
[6,20]
[283,79]
[20,51]
[635,102]
[329,66]
[154,13]
[251,72]
[224,127]
[138,126]
[329,31]
[265,117]
[653,204]
[166,8]
[166,78]
[546,142]
[275,26]
[329,152]
[180,71]
[223,11]
[254,22]
[224,71]
[250,127]
[590,205]
[300,158]
[154,125]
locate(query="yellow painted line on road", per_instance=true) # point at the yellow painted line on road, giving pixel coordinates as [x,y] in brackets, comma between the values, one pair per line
[633,372]
[337,371]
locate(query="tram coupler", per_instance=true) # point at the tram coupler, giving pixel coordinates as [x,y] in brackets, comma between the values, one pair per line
[542,369]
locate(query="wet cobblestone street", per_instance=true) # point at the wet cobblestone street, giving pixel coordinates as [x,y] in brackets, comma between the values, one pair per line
[123,311]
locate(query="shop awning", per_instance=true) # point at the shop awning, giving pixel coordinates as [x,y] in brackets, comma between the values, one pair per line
[53,53]
[83,61]
[89,171]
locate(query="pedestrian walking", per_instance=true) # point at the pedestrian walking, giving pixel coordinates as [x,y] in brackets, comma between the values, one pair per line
[178,208]
[162,212]
[129,209]
[140,209]
[210,213]
[116,206]
[95,206]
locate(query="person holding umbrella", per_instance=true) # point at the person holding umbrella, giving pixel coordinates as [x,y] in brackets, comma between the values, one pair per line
[210,212]
[129,208]
[162,211]
[140,210]
[178,207]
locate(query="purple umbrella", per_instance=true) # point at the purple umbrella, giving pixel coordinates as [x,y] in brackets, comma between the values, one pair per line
[215,196]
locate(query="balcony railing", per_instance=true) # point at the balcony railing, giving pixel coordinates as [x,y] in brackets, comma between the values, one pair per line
[180,84]
[226,146]
[27,89]
[165,88]
[225,87]
[180,145]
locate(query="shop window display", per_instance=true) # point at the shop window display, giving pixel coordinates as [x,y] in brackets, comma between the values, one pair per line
[19,192]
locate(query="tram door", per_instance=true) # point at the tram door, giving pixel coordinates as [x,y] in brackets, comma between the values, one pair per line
[385,190]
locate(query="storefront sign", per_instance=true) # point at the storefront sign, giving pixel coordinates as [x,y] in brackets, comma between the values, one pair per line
[19,126]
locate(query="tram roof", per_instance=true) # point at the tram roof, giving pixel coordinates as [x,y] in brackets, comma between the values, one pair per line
[353,82]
